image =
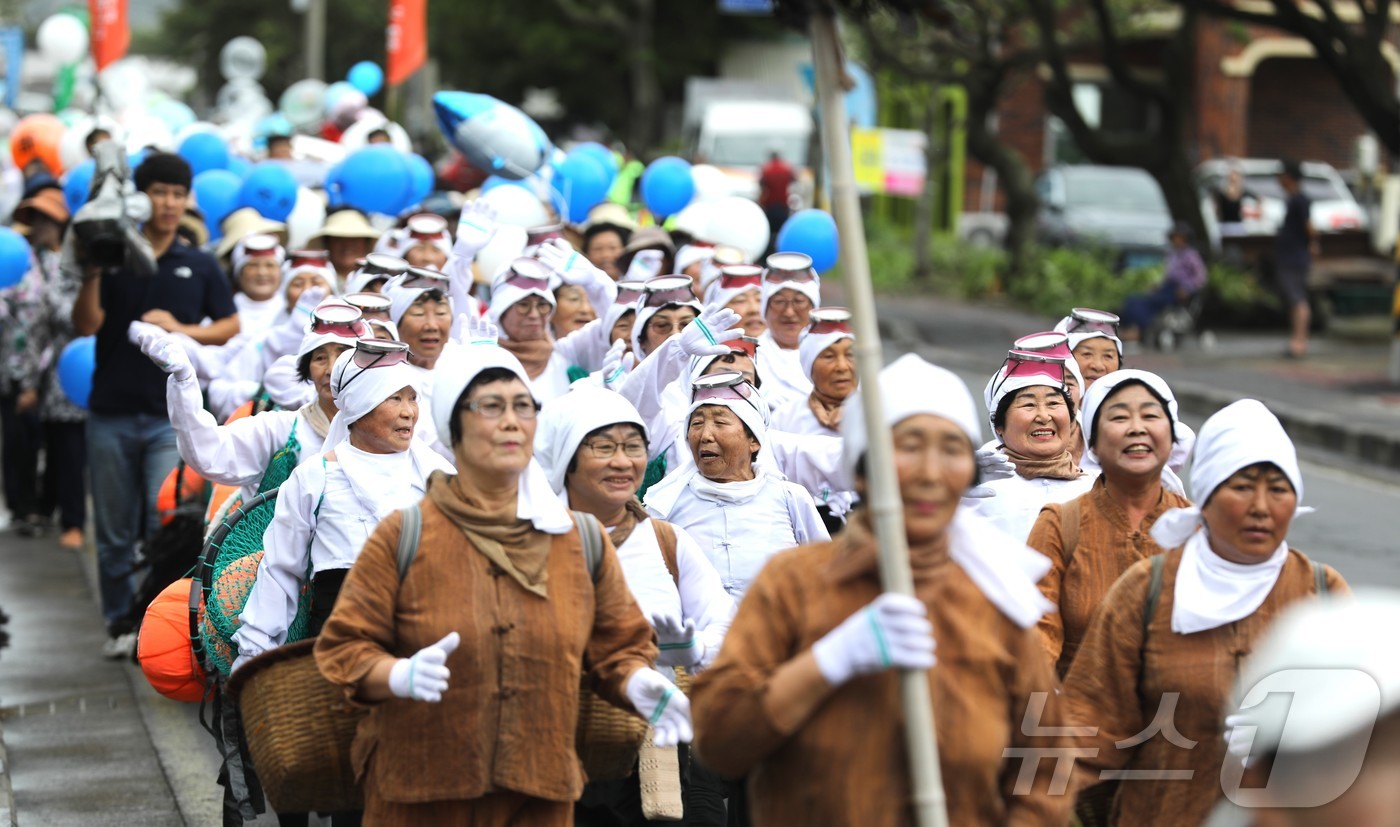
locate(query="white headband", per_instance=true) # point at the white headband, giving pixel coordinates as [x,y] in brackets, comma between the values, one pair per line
[564,423]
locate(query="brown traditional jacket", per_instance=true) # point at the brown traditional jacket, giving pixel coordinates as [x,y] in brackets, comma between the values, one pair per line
[508,717]
[1081,576]
[1131,691]
[847,765]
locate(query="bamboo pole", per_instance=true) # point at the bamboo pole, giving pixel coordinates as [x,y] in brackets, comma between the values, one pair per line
[881,484]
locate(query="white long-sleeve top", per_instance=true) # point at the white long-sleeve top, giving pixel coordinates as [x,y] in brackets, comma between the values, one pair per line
[243,371]
[1017,501]
[739,537]
[781,369]
[796,417]
[237,453]
[695,594]
[554,382]
[320,524]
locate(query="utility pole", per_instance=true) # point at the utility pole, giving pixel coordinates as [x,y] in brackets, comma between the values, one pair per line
[314,31]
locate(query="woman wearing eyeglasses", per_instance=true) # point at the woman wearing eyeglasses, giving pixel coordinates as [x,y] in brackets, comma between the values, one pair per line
[791,291]
[256,452]
[522,305]
[257,273]
[1166,643]
[1033,418]
[470,659]
[331,504]
[739,511]
[804,696]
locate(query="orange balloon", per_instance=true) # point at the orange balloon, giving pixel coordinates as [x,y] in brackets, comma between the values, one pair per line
[191,488]
[36,137]
[163,646]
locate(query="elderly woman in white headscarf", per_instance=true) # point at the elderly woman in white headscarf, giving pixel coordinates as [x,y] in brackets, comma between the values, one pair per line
[522,304]
[1093,339]
[737,507]
[1032,414]
[828,358]
[1171,632]
[791,291]
[256,452]
[330,505]
[805,694]
[257,274]
[470,653]
[739,287]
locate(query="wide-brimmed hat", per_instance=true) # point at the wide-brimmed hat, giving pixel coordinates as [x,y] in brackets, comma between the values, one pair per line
[48,202]
[610,214]
[345,224]
[244,222]
[646,238]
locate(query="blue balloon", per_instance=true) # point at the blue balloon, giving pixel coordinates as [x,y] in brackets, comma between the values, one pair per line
[75,368]
[366,76]
[77,184]
[239,166]
[812,232]
[495,137]
[423,177]
[584,184]
[601,154]
[667,185]
[14,257]
[216,195]
[204,151]
[375,179]
[270,189]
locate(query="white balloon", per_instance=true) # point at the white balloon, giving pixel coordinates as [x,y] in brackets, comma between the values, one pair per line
[695,220]
[356,136]
[517,206]
[711,184]
[739,222]
[72,147]
[124,85]
[242,57]
[505,246]
[308,214]
[63,39]
[144,129]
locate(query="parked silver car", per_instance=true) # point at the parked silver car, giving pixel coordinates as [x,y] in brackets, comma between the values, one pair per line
[1121,207]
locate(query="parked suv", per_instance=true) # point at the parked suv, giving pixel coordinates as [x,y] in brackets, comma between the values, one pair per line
[1121,207]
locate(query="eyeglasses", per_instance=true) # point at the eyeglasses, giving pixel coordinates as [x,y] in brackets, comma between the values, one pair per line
[830,320]
[311,258]
[664,290]
[536,236]
[606,448]
[339,319]
[369,302]
[789,267]
[1088,320]
[1024,364]
[630,291]
[798,303]
[1048,343]
[375,353]
[494,407]
[532,305]
[426,227]
[736,276]
[527,274]
[728,385]
[422,278]
[382,264]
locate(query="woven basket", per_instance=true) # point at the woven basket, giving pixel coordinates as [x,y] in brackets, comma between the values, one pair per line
[607,738]
[299,728]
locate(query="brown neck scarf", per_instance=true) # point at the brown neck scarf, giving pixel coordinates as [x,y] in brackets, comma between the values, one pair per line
[827,409]
[533,355]
[633,517]
[860,552]
[505,539]
[316,417]
[1061,467]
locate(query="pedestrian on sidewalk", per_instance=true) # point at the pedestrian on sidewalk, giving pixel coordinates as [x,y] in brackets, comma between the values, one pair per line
[1295,247]
[1183,277]
[130,441]
[775,179]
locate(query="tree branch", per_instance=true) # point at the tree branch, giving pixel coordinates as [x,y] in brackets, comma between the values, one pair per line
[601,16]
[1112,52]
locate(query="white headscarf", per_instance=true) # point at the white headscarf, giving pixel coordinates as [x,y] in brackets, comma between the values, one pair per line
[688,254]
[1105,385]
[290,273]
[360,280]
[504,296]
[535,500]
[644,315]
[1006,570]
[358,391]
[754,415]
[717,295]
[565,422]
[241,257]
[811,289]
[1078,337]
[1211,591]
[402,298]
[810,346]
[1016,383]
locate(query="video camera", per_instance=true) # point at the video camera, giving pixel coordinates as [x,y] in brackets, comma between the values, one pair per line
[106,231]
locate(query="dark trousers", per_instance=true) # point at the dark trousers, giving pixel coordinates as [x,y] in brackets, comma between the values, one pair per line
[19,457]
[65,474]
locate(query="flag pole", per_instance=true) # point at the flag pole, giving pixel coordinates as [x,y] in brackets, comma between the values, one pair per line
[882,485]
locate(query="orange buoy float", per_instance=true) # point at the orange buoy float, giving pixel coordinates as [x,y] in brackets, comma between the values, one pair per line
[163,646]
[192,487]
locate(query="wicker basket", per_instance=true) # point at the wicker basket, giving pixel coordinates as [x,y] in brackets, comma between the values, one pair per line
[299,728]
[607,738]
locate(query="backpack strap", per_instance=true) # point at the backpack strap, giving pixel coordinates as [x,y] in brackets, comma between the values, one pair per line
[591,532]
[1320,577]
[1070,513]
[410,532]
[1154,593]
[666,538]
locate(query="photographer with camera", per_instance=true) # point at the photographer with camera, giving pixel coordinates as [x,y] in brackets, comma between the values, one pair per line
[130,275]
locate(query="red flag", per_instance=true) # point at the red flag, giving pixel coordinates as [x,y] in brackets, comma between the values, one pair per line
[110,33]
[408,38]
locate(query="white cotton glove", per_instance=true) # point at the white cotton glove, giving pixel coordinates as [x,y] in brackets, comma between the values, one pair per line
[679,645]
[1239,736]
[423,677]
[711,332]
[477,330]
[617,363]
[569,264]
[167,354]
[994,464]
[645,264]
[664,706]
[307,303]
[891,632]
[476,226]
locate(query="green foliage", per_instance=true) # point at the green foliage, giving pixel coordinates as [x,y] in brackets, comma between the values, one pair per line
[1234,289]
[1063,277]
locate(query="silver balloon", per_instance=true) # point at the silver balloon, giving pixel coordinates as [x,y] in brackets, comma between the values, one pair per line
[242,57]
[301,103]
[502,141]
